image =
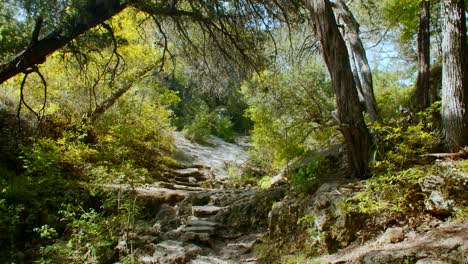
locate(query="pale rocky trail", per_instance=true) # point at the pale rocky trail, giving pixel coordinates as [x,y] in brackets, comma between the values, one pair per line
[197,217]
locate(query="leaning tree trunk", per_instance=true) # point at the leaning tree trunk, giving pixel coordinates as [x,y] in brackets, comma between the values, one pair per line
[423,81]
[352,61]
[454,76]
[334,51]
[90,15]
[359,53]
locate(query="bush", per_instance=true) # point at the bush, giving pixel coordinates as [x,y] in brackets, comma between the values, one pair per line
[199,129]
[306,178]
[205,123]
[400,143]
[291,111]
[223,128]
[391,192]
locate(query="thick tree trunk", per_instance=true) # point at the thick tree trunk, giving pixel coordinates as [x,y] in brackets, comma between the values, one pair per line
[334,51]
[454,76]
[423,80]
[92,14]
[359,53]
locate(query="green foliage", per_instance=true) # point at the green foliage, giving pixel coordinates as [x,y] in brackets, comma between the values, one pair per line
[205,123]
[32,198]
[291,112]
[200,128]
[391,95]
[307,177]
[309,221]
[264,182]
[91,240]
[400,143]
[223,128]
[404,14]
[388,193]
[71,161]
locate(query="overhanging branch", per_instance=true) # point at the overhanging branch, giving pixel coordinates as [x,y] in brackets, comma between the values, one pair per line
[90,16]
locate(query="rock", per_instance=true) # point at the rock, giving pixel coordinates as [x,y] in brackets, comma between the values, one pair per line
[392,235]
[199,229]
[328,227]
[208,260]
[196,237]
[437,204]
[445,192]
[206,210]
[166,213]
[431,183]
[170,252]
[277,180]
[431,261]
[172,234]
[198,222]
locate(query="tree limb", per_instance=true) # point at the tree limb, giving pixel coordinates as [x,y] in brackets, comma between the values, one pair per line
[89,17]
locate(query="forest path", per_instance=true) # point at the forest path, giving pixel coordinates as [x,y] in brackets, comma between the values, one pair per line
[196,218]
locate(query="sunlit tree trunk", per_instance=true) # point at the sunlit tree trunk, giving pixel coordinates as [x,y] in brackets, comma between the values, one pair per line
[352,61]
[454,76]
[422,83]
[351,32]
[334,51]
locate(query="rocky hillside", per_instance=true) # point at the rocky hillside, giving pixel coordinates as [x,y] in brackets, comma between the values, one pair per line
[322,228]
[200,218]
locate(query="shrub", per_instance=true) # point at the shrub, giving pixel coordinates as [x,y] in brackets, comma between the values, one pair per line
[291,111]
[400,143]
[306,178]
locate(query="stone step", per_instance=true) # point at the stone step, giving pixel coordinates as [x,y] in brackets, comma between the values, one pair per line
[189,184]
[198,222]
[199,229]
[185,179]
[194,237]
[173,186]
[206,210]
[190,172]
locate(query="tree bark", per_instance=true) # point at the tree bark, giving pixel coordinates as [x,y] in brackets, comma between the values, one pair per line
[352,125]
[90,15]
[357,48]
[454,76]
[352,61]
[423,80]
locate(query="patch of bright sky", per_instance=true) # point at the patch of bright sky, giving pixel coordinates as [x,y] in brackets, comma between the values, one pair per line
[386,57]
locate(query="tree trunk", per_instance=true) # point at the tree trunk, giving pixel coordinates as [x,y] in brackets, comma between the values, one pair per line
[352,61]
[454,76]
[334,51]
[423,80]
[357,48]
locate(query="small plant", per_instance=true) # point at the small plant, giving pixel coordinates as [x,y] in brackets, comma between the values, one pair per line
[46,231]
[264,182]
[199,129]
[306,178]
[400,143]
[309,221]
[222,128]
[391,192]
[91,238]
